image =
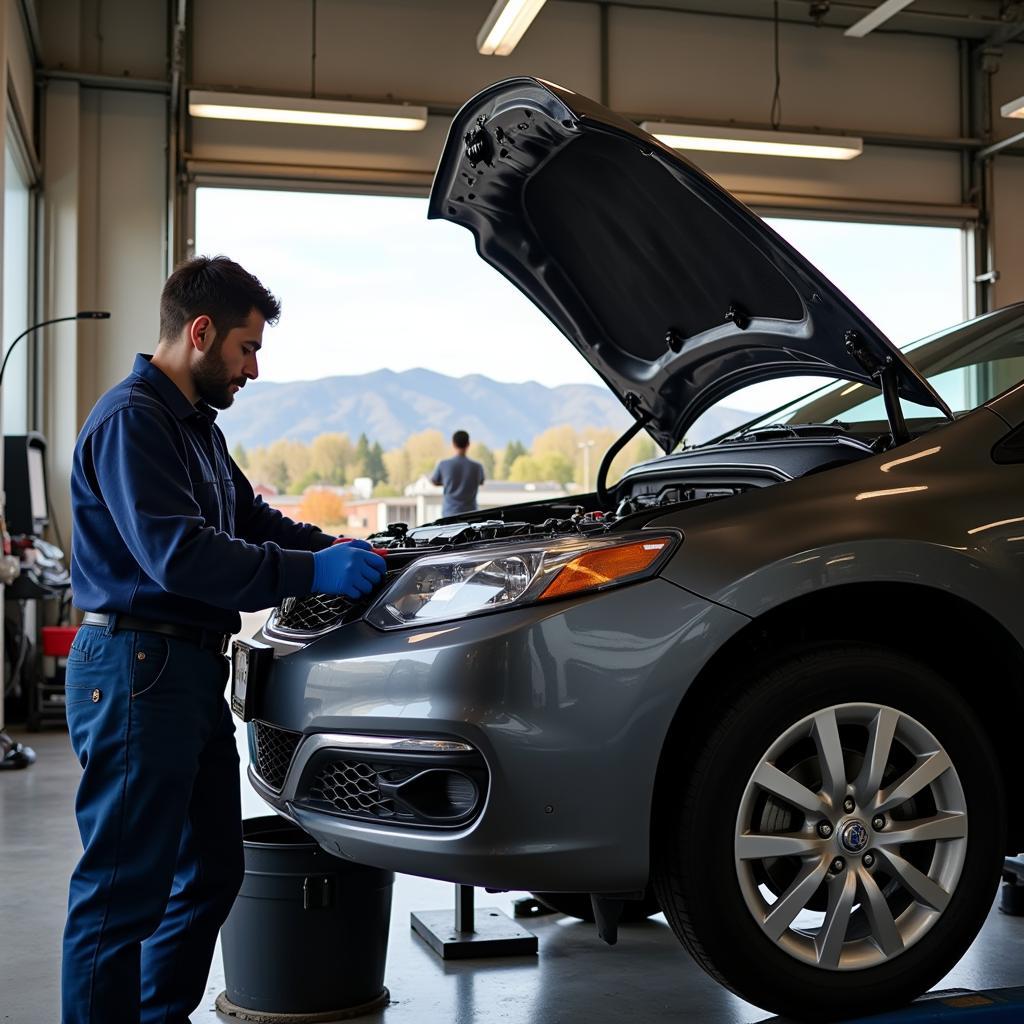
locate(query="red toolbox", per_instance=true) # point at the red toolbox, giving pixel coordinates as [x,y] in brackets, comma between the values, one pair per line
[57,640]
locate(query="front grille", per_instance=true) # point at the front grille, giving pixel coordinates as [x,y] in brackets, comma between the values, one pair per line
[316,613]
[352,787]
[311,614]
[275,749]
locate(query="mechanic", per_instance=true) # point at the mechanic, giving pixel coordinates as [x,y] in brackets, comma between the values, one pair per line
[460,476]
[169,544]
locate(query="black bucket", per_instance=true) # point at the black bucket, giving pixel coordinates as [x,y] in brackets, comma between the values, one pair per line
[308,934]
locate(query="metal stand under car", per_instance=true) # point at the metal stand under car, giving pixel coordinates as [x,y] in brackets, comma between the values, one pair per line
[467,935]
[1011,899]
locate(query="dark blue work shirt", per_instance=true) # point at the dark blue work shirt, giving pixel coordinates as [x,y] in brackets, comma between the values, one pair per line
[166,526]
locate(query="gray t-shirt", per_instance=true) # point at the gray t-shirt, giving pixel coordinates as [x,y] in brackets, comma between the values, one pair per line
[460,477]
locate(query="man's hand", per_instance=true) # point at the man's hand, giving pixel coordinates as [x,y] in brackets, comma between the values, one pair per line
[352,570]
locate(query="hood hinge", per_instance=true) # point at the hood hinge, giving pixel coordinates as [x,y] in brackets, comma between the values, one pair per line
[885,372]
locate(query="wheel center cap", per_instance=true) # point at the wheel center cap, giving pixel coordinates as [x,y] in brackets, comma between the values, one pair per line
[854,836]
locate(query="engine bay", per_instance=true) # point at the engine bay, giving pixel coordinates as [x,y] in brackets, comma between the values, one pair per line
[699,475]
[710,473]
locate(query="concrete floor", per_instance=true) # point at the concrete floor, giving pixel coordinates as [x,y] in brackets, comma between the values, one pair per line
[575,977]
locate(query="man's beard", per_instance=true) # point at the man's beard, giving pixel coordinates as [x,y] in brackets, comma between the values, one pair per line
[212,380]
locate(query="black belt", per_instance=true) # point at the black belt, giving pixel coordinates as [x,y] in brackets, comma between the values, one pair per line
[204,638]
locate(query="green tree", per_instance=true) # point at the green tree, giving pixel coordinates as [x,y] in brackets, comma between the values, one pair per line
[329,457]
[525,469]
[295,456]
[361,457]
[375,468]
[311,479]
[559,440]
[425,449]
[240,456]
[512,452]
[485,457]
[555,466]
[396,462]
[274,471]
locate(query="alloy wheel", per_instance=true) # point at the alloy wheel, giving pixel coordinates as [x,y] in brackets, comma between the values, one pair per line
[851,836]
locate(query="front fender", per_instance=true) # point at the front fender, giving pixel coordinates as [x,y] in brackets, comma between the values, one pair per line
[936,512]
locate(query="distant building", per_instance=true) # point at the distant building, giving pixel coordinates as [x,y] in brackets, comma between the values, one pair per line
[374,514]
[286,504]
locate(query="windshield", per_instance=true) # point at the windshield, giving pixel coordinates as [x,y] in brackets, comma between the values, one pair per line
[967,365]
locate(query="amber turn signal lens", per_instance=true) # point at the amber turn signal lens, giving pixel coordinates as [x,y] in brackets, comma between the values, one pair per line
[606,565]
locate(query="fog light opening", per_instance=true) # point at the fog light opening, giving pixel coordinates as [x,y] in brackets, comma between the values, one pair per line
[439,794]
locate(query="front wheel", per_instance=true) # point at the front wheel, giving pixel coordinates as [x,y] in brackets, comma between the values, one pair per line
[836,843]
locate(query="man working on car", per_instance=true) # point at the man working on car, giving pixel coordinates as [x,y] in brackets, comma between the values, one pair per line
[169,543]
[460,477]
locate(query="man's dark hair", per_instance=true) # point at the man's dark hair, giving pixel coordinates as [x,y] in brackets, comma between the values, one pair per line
[460,439]
[217,287]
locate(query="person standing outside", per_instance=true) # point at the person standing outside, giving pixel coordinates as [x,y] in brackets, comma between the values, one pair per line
[169,544]
[460,477]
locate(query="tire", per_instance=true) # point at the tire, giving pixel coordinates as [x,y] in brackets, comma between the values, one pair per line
[577,904]
[871,933]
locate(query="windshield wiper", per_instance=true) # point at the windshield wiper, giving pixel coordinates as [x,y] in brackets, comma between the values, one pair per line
[767,431]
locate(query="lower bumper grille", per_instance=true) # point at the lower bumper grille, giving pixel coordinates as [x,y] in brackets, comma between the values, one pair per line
[436,791]
[275,749]
[352,787]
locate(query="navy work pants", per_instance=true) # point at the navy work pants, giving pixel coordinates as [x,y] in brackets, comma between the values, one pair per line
[159,812]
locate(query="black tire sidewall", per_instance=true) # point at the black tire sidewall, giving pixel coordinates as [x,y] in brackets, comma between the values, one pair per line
[700,868]
[577,904]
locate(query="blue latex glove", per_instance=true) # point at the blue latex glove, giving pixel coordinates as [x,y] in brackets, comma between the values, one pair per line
[352,570]
[356,542]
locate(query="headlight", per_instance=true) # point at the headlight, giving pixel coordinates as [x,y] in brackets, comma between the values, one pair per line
[454,585]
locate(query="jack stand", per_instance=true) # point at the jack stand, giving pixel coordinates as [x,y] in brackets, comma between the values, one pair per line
[464,936]
[1011,897]
[530,906]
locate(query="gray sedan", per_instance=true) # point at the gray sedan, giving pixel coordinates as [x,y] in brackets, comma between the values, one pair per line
[771,683]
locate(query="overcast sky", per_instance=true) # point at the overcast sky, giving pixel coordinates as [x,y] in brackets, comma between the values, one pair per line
[367,282]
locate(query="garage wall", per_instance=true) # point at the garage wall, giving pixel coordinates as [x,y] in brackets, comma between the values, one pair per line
[660,63]
[104,222]
[1008,182]
[20,65]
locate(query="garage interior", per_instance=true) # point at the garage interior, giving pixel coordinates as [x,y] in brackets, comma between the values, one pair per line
[106,159]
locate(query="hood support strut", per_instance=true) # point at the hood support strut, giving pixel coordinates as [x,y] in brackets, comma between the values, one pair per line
[616,447]
[886,375]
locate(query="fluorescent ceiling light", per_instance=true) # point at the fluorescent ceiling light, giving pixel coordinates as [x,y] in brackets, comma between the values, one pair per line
[1015,108]
[751,140]
[882,13]
[230,106]
[505,25]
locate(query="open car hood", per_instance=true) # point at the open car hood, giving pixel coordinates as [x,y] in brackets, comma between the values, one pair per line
[674,291]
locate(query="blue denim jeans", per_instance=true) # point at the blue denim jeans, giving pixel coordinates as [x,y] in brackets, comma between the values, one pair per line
[159,812]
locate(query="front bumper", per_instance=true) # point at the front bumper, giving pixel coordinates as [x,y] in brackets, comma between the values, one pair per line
[567,705]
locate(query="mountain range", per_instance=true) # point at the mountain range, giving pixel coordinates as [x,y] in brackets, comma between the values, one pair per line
[389,406]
